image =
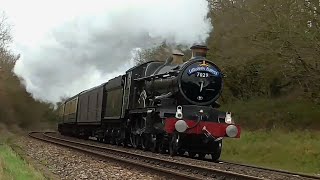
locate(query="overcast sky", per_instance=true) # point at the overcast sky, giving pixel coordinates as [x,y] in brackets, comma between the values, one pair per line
[69,46]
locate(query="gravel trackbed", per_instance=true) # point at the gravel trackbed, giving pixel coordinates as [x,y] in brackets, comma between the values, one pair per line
[70,164]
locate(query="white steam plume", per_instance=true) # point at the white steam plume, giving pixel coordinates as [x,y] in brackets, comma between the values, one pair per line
[94,42]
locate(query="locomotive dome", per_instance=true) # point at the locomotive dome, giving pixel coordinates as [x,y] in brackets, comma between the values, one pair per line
[200,81]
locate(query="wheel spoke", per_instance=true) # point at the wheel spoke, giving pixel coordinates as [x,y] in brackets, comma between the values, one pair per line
[137,138]
[174,144]
[191,154]
[202,155]
[216,151]
[145,142]
[153,143]
[133,140]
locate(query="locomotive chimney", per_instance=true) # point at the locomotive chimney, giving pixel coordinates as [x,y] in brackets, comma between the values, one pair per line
[199,50]
[177,57]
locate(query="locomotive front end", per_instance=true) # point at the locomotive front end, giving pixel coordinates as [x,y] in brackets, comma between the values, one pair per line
[200,82]
[200,130]
[198,127]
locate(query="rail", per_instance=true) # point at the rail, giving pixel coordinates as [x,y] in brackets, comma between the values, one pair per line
[172,168]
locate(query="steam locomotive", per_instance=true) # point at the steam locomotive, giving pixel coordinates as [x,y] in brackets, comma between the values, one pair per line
[160,106]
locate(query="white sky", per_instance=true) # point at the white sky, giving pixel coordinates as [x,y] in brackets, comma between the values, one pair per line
[32,20]
[69,46]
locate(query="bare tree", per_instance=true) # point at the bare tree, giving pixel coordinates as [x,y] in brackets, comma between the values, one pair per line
[5,36]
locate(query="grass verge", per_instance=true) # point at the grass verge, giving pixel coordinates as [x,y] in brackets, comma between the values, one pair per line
[13,167]
[297,151]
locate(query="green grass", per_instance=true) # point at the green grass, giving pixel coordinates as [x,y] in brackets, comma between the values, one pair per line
[13,167]
[278,133]
[297,151]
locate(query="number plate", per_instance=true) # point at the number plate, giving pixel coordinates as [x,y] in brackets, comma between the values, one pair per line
[202,75]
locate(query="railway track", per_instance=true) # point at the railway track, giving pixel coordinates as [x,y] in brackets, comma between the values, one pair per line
[260,167]
[173,167]
[265,168]
[273,170]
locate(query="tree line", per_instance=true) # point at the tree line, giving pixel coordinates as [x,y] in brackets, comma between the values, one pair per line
[18,110]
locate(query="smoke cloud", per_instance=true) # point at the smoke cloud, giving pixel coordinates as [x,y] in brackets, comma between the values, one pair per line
[85,47]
